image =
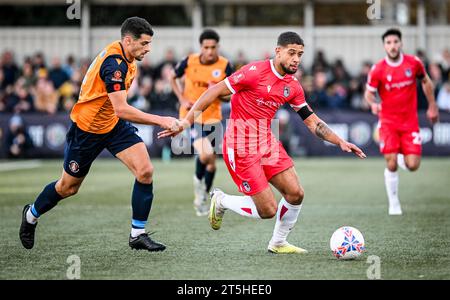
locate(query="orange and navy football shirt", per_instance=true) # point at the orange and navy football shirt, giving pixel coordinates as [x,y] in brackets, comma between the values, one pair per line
[198,77]
[109,72]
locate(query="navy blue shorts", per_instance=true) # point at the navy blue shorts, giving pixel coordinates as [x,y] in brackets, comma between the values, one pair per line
[214,133]
[82,147]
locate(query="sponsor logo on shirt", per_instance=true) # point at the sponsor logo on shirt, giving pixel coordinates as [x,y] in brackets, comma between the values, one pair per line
[398,85]
[270,103]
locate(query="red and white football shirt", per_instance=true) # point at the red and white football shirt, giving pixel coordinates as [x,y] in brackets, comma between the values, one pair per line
[396,85]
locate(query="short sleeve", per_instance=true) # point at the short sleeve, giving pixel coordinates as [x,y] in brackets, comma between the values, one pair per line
[229,69]
[420,68]
[181,67]
[245,78]
[298,101]
[113,72]
[372,79]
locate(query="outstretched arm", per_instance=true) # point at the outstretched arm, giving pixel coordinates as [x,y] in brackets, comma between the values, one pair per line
[200,105]
[319,128]
[129,113]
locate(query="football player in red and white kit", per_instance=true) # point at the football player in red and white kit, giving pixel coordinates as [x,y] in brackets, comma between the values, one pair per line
[254,157]
[394,78]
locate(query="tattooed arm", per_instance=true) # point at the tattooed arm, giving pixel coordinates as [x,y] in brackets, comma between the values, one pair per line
[321,130]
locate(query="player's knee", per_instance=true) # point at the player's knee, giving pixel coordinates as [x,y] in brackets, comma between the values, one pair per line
[414,166]
[208,159]
[295,196]
[67,190]
[268,212]
[392,165]
[145,174]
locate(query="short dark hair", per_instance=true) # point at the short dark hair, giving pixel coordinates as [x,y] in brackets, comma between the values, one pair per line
[392,31]
[289,37]
[136,26]
[209,34]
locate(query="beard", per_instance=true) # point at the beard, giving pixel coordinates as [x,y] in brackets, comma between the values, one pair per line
[394,58]
[287,70]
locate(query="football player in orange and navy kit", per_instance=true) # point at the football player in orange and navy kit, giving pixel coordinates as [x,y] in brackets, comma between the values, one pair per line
[100,120]
[394,78]
[200,71]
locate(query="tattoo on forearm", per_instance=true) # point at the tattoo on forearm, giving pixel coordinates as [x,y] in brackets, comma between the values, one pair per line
[322,130]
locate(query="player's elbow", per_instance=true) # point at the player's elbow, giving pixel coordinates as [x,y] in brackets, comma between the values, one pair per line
[120,111]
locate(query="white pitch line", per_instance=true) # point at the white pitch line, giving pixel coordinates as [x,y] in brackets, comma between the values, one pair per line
[19,165]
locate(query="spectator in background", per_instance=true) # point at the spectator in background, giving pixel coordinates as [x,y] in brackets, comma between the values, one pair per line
[9,68]
[2,92]
[28,75]
[140,99]
[443,98]
[240,60]
[56,74]
[319,97]
[422,102]
[146,69]
[19,100]
[69,67]
[320,63]
[69,92]
[18,141]
[169,60]
[337,96]
[46,99]
[339,73]
[38,62]
[357,87]
[286,130]
[445,65]
[435,72]
[164,97]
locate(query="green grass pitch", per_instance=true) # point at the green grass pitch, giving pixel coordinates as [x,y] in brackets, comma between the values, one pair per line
[95,224]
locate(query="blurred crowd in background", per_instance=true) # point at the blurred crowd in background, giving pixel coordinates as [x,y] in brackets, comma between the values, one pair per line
[49,87]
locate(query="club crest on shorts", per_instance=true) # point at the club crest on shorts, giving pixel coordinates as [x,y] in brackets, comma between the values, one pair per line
[286,91]
[246,186]
[73,166]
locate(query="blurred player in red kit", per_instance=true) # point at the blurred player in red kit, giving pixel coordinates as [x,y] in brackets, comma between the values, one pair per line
[394,78]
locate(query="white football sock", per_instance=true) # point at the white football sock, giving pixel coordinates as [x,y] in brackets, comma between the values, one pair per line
[242,205]
[391,182]
[30,217]
[287,215]
[401,161]
[137,231]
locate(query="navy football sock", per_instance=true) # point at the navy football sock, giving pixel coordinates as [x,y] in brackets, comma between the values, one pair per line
[141,203]
[209,177]
[200,168]
[46,200]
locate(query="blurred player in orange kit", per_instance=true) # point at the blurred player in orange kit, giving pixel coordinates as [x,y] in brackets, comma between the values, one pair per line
[200,71]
